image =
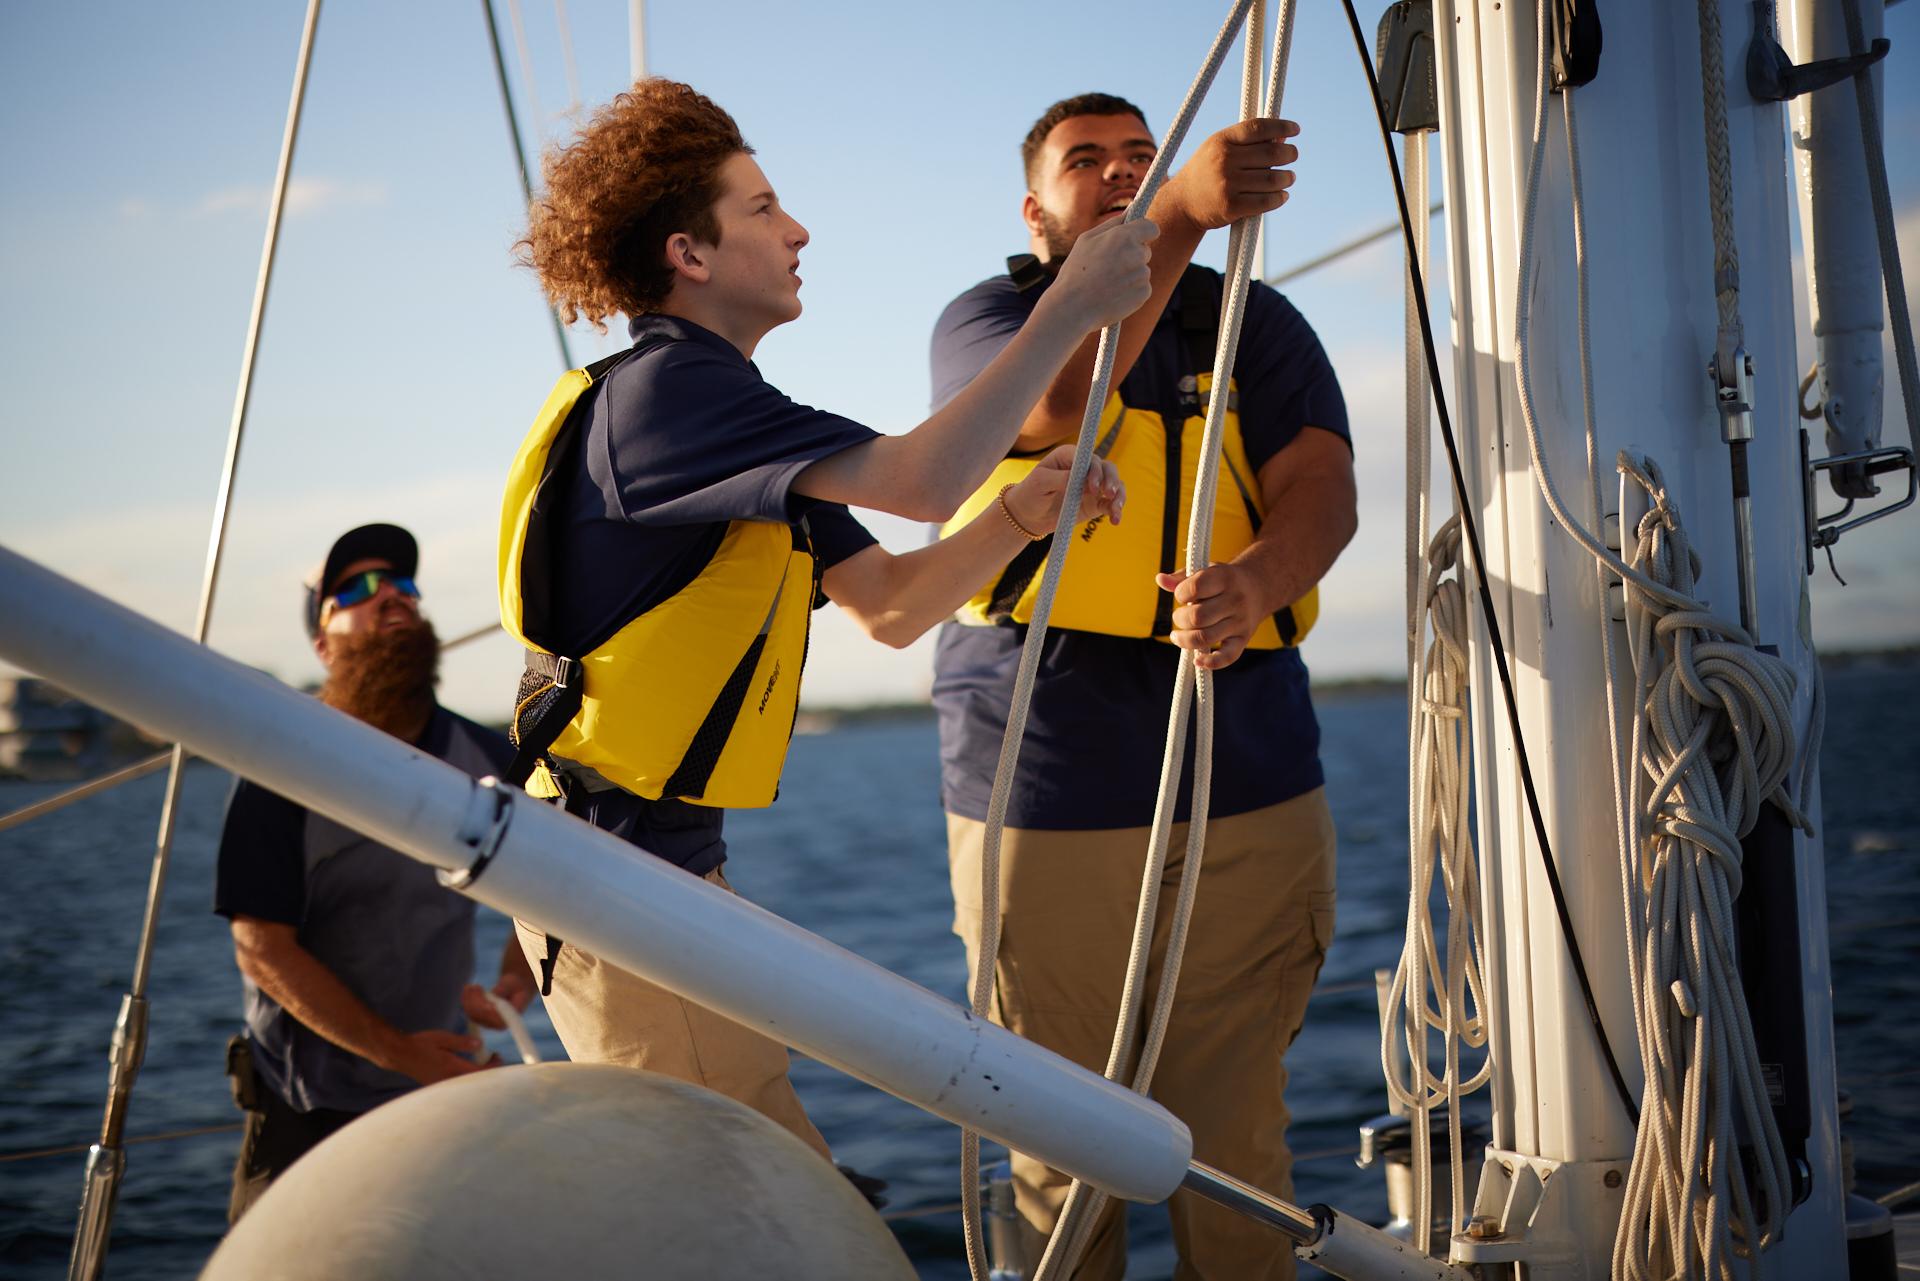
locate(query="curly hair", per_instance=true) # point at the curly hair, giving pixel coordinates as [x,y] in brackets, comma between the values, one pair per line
[646,166]
[1084,104]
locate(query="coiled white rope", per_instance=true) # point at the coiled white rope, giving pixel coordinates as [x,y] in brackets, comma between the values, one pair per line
[1441,845]
[1439,788]
[1712,740]
[1439,841]
[989,945]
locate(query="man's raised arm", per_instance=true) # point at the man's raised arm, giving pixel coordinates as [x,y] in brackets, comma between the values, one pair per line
[1235,174]
[928,472]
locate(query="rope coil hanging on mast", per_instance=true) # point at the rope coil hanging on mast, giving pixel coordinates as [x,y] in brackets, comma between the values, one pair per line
[1439,839]
[1712,741]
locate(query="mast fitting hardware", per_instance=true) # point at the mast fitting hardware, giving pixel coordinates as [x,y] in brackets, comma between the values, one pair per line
[1576,43]
[1825,531]
[1403,52]
[1773,76]
[128,1049]
[489,812]
[1733,396]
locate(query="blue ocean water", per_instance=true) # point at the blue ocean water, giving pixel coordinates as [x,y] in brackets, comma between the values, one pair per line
[856,851]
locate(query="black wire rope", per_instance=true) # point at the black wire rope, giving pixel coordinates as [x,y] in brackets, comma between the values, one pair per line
[1486,596]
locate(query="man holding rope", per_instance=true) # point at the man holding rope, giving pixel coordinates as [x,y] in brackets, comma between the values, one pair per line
[356,960]
[673,520]
[1078,824]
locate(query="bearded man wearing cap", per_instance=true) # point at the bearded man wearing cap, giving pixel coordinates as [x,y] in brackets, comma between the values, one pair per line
[355,960]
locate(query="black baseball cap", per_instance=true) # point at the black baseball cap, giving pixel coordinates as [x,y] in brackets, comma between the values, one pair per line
[369,542]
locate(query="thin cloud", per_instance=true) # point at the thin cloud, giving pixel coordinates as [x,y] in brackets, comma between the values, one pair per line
[304,196]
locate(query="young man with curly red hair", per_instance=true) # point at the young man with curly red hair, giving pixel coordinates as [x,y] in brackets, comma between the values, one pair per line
[669,530]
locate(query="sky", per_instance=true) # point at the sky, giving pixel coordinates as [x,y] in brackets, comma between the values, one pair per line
[403,355]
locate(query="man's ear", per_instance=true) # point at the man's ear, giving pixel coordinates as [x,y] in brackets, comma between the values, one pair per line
[1030,213]
[687,257]
[320,650]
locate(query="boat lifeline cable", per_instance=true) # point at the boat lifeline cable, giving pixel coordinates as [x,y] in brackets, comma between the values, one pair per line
[988,951]
[107,1159]
[140,769]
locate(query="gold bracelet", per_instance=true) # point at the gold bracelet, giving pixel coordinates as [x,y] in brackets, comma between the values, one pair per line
[1015,520]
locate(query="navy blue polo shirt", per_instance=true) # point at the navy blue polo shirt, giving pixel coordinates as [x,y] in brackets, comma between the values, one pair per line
[684,437]
[1097,728]
[380,922]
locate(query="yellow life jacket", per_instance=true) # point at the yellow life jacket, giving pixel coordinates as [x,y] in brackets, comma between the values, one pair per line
[1107,585]
[695,697]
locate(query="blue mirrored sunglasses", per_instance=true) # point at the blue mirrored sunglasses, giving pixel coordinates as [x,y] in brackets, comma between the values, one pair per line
[366,584]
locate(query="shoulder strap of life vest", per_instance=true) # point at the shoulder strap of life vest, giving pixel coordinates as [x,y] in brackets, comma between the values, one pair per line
[1199,329]
[1199,320]
[551,688]
[537,548]
[1200,296]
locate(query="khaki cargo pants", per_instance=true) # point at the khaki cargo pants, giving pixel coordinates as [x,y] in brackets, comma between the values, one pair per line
[605,1014]
[1261,926]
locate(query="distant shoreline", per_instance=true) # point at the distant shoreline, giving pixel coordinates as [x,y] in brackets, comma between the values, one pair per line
[128,745]
[819,720]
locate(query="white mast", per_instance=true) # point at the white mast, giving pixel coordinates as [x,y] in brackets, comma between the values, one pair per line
[1562,1137]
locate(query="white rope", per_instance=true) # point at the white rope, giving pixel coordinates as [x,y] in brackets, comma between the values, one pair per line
[525,54]
[1419,477]
[1084,1205]
[989,945]
[1726,256]
[567,58]
[1440,843]
[566,54]
[1712,740]
[516,1028]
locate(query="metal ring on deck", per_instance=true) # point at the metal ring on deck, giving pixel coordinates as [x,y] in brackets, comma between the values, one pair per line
[482,832]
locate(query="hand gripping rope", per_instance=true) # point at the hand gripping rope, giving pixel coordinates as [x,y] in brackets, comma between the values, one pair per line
[1193,685]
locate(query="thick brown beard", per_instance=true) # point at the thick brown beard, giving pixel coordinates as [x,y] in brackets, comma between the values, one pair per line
[1058,239]
[385,678]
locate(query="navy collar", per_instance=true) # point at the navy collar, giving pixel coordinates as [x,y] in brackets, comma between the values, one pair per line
[657,328]
[1028,273]
[438,734]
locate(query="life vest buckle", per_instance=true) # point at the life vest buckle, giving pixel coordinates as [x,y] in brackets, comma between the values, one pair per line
[1194,404]
[564,672]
